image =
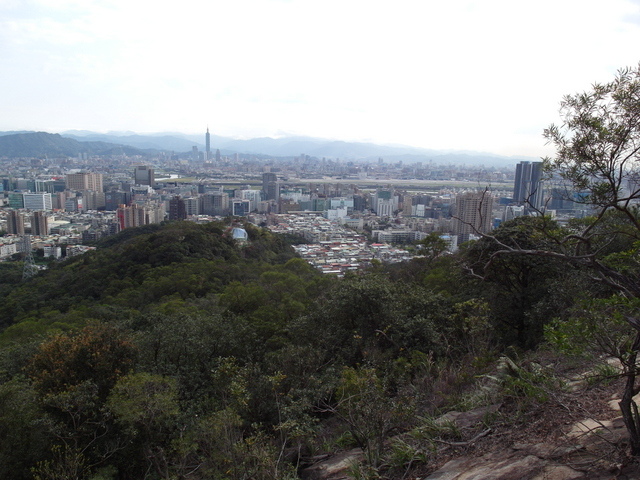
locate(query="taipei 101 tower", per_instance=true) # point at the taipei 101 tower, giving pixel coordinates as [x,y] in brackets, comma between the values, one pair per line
[207,154]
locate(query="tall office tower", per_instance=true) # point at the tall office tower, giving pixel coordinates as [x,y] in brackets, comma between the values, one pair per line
[473,215]
[273,191]
[218,155]
[270,186]
[39,224]
[40,186]
[192,206]
[527,188]
[144,175]
[15,223]
[177,209]
[268,178]
[254,197]
[16,200]
[112,200]
[240,207]
[85,181]
[384,207]
[37,201]
[206,204]
[384,203]
[207,153]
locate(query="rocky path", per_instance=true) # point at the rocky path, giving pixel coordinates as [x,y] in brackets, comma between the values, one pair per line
[578,436]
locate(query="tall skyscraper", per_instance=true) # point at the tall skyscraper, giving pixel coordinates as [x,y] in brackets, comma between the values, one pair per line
[15,223]
[192,205]
[207,137]
[473,214]
[39,224]
[177,209]
[268,177]
[270,186]
[527,188]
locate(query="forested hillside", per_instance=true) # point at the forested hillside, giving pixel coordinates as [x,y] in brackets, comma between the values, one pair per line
[174,352]
[40,144]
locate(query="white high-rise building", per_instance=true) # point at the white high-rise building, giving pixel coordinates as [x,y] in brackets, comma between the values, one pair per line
[254,197]
[37,201]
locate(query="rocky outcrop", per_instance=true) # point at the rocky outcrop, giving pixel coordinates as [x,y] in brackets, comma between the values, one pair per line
[335,467]
[581,451]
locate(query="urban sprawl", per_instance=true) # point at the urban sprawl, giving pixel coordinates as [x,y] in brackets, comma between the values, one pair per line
[349,212]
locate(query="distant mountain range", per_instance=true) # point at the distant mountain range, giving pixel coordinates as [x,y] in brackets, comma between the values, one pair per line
[40,144]
[71,143]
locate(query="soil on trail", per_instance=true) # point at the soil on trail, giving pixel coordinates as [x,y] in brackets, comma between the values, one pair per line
[575,432]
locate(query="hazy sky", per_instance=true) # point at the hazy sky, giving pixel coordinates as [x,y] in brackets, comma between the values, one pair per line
[483,75]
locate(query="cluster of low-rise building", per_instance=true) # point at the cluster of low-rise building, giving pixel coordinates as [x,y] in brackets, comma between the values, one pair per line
[334,248]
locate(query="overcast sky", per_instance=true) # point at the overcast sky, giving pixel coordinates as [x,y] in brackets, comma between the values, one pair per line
[484,75]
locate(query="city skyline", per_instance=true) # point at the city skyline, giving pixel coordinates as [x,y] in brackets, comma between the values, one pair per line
[466,75]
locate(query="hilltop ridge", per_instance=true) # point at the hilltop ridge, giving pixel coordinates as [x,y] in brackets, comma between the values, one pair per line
[71,143]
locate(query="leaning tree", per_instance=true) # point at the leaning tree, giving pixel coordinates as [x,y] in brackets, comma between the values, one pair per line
[597,163]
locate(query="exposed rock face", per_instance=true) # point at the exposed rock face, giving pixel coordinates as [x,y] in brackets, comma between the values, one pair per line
[334,468]
[468,419]
[580,450]
[572,458]
[503,466]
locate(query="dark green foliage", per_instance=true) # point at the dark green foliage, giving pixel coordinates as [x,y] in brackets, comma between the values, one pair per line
[23,438]
[10,276]
[371,319]
[518,286]
[432,246]
[143,269]
[171,349]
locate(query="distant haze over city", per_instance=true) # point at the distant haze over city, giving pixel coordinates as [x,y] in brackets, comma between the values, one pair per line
[42,143]
[464,75]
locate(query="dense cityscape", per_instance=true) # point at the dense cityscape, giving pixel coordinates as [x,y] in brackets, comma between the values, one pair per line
[349,212]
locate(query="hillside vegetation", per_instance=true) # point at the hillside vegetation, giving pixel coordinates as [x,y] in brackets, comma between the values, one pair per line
[41,144]
[171,351]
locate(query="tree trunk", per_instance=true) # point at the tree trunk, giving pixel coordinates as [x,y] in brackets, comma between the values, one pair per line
[628,407]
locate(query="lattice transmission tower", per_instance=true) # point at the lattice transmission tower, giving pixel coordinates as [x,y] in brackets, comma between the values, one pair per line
[30,268]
